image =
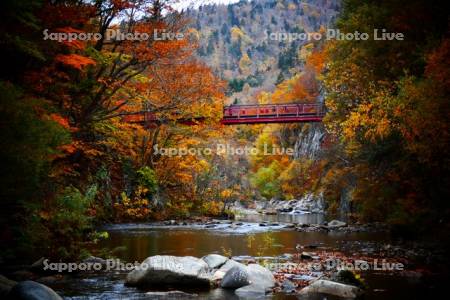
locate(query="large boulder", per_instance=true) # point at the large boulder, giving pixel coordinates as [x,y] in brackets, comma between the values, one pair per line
[235,278]
[215,261]
[250,281]
[166,270]
[220,273]
[336,224]
[331,288]
[261,276]
[31,290]
[261,282]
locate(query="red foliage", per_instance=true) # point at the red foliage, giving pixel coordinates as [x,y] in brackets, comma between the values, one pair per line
[74,60]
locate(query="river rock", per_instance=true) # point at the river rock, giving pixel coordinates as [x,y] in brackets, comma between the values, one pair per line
[252,280]
[259,275]
[336,224]
[164,270]
[288,286]
[235,278]
[31,290]
[219,274]
[215,261]
[331,288]
[271,211]
[171,222]
[285,210]
[229,264]
[306,255]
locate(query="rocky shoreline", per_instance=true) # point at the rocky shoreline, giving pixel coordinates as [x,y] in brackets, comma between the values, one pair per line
[216,224]
[246,279]
[310,203]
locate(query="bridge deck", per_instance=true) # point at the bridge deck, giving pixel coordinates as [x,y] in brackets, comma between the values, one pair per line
[272,113]
[275,119]
[248,114]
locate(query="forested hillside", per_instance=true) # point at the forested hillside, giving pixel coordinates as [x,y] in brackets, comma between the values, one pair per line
[382,153]
[237,41]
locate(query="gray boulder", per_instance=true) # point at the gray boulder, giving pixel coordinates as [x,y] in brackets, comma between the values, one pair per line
[235,278]
[251,281]
[261,276]
[331,288]
[31,290]
[215,261]
[220,273]
[166,270]
[229,264]
[336,224]
[306,255]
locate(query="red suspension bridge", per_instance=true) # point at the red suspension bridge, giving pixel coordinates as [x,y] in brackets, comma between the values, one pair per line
[248,114]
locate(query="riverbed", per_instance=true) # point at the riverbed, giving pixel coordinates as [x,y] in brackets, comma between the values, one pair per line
[247,237]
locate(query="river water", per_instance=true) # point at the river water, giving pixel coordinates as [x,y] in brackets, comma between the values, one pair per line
[135,242]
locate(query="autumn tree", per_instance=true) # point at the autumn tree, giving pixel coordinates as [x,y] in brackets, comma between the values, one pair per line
[386,106]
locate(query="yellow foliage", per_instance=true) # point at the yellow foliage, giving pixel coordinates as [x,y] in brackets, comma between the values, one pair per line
[136,208]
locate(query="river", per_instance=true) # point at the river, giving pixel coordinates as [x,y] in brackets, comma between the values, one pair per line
[135,242]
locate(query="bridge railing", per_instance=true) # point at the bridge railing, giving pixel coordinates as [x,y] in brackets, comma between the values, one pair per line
[273,110]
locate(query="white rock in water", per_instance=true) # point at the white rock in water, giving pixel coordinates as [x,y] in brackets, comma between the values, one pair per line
[215,260]
[336,223]
[235,278]
[332,288]
[161,270]
[261,276]
[219,274]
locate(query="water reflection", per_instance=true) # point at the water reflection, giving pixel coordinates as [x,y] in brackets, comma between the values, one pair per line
[141,244]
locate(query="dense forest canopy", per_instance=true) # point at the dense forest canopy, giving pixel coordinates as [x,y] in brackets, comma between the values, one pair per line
[70,161]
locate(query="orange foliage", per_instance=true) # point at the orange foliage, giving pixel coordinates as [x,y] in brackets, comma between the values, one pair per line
[64,122]
[74,60]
